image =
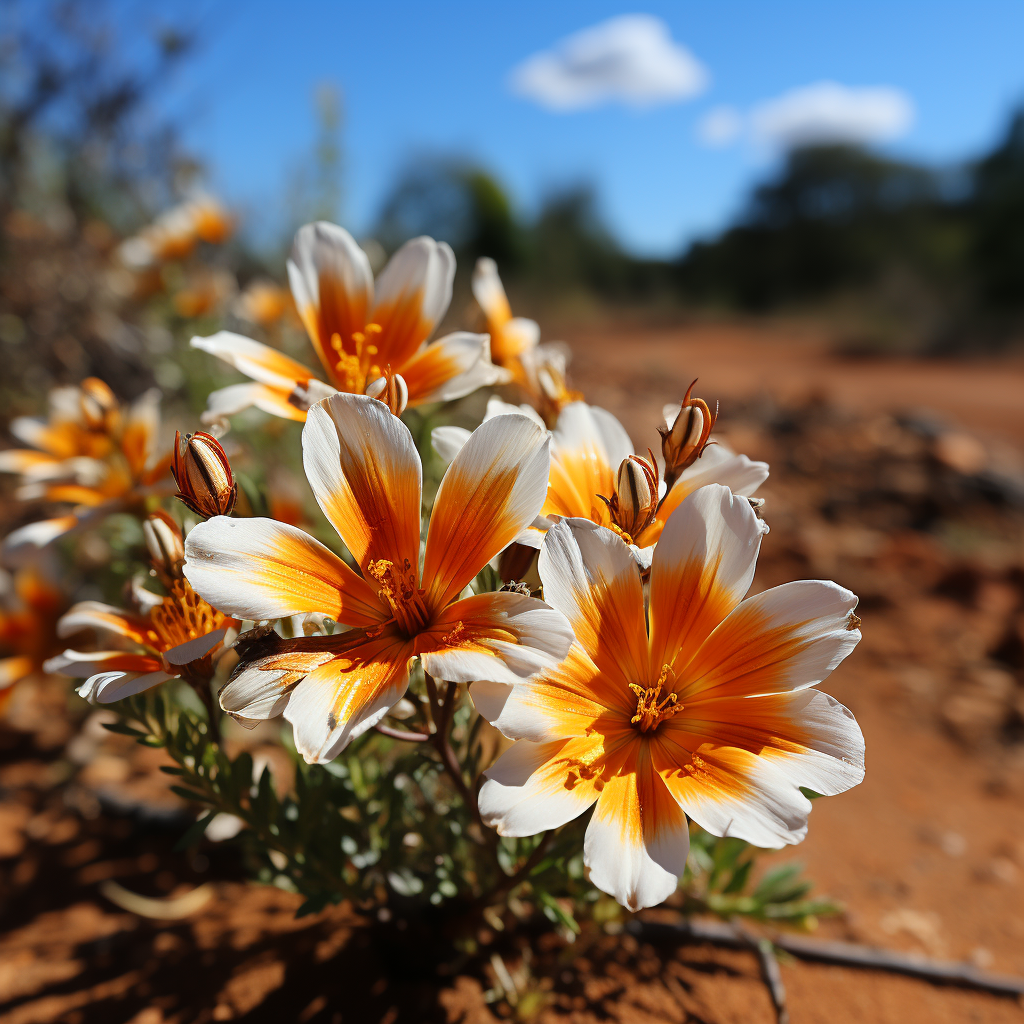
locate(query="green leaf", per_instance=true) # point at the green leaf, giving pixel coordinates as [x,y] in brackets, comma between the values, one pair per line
[195,831]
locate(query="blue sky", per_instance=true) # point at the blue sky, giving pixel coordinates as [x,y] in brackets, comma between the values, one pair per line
[420,77]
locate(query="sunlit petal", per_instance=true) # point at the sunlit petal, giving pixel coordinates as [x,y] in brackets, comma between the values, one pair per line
[491,492]
[449,368]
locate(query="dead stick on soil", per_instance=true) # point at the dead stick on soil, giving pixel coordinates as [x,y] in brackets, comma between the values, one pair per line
[846,954]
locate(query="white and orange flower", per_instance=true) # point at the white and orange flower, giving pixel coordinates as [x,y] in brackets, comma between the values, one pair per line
[588,446]
[539,370]
[177,636]
[30,603]
[699,706]
[366,475]
[91,452]
[360,329]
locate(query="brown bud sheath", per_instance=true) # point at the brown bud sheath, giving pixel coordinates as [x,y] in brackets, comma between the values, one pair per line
[636,494]
[203,475]
[390,389]
[165,544]
[683,442]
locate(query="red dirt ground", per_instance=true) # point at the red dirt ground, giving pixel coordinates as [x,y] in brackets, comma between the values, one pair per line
[927,855]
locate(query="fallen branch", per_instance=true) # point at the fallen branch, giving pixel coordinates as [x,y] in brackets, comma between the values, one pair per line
[846,954]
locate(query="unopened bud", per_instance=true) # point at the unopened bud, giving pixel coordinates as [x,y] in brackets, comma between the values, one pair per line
[165,544]
[203,475]
[98,404]
[683,442]
[390,389]
[635,501]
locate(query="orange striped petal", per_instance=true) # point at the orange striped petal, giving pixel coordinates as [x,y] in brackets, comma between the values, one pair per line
[343,698]
[571,699]
[501,636]
[786,638]
[261,569]
[412,295]
[490,493]
[332,285]
[537,786]
[229,401]
[730,791]
[808,735]
[449,368]
[702,567]
[490,293]
[262,363]
[591,577]
[37,465]
[717,465]
[105,617]
[587,446]
[638,840]
[366,474]
[88,663]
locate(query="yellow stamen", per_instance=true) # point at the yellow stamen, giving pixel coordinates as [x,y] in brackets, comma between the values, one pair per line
[650,711]
[397,590]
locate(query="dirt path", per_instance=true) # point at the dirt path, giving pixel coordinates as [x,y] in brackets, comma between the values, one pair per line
[787,361]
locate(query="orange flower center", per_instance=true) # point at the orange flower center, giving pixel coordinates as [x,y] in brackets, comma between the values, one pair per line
[397,590]
[651,708]
[183,616]
[355,363]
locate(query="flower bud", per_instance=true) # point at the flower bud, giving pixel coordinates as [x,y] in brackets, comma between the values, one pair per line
[390,389]
[203,475]
[636,494]
[686,438]
[165,544]
[99,407]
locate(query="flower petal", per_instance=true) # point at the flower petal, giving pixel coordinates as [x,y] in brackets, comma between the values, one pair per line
[261,569]
[95,615]
[32,464]
[262,363]
[591,577]
[503,637]
[14,669]
[366,474]
[194,649]
[496,407]
[85,663]
[348,695]
[491,492]
[412,295]
[785,638]
[717,465]
[449,368]
[702,567]
[21,545]
[526,790]
[141,427]
[490,292]
[638,840]
[107,687]
[808,735]
[568,700]
[332,285]
[729,791]
[587,446]
[448,441]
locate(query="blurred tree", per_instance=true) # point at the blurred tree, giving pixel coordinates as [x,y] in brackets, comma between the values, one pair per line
[998,249]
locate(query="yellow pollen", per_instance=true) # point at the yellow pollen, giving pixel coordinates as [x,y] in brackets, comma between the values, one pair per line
[399,593]
[650,710]
[355,365]
[183,616]
[456,636]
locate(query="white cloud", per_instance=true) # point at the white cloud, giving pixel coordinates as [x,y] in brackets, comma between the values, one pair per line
[720,126]
[830,112]
[632,59]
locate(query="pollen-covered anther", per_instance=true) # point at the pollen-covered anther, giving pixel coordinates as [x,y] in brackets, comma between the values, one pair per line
[651,708]
[397,590]
[391,390]
[635,501]
[685,440]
